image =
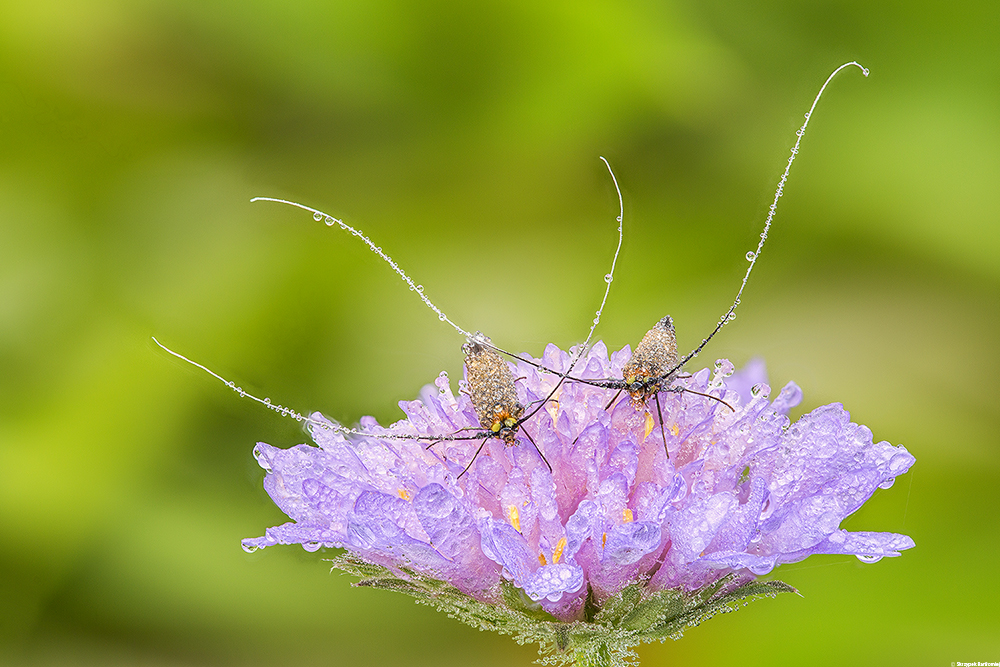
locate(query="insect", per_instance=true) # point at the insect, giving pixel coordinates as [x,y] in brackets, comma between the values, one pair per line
[652,370]
[493,395]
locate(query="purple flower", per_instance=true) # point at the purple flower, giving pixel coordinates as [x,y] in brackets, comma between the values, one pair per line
[742,491]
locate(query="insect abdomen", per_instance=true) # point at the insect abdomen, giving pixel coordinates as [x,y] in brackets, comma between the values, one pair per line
[656,353]
[491,387]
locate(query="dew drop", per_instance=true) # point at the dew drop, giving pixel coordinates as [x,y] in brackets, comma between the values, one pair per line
[442,317]
[751,256]
[329,222]
[420,288]
[250,548]
[608,278]
[343,225]
[732,316]
[887,484]
[267,401]
[754,390]
[865,558]
[317,216]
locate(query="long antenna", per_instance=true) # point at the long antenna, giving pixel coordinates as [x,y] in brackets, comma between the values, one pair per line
[608,278]
[753,255]
[266,402]
[330,221]
[299,417]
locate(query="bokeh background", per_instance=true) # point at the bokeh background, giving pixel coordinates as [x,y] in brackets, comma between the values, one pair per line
[464,138]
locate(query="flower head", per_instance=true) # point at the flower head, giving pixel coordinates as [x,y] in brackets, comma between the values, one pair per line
[742,491]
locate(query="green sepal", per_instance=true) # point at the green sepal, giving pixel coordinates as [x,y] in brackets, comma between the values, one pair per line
[632,616]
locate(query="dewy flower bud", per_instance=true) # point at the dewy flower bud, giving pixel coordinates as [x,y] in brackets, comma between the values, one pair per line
[618,544]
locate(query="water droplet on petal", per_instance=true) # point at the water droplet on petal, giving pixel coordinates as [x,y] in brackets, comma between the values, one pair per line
[887,484]
[754,390]
[250,548]
[865,558]
[317,216]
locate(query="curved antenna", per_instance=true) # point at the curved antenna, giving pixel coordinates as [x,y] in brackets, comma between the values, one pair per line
[608,278]
[331,221]
[753,255]
[319,216]
[266,402]
[299,417]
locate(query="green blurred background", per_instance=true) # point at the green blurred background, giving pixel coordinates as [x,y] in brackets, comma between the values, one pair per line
[464,138]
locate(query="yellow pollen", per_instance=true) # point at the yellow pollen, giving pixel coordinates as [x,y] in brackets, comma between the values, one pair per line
[404,494]
[674,430]
[541,559]
[627,515]
[558,551]
[552,407]
[649,426]
[604,541]
[514,517]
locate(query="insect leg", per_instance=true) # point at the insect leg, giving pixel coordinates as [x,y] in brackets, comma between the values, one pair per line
[532,441]
[474,456]
[614,398]
[714,398]
[659,413]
